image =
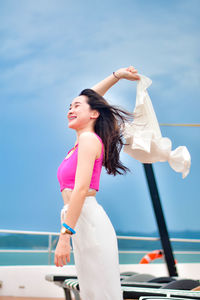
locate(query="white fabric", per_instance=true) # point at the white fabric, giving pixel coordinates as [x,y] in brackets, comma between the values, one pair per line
[144,139]
[96,253]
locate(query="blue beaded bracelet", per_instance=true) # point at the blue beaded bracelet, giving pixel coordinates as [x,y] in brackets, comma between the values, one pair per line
[69,228]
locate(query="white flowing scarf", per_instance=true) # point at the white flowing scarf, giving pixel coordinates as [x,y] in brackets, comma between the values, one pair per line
[144,138]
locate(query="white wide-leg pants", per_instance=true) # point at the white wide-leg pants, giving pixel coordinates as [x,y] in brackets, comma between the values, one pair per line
[96,253]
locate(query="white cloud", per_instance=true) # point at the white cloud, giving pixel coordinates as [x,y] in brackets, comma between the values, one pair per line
[45,42]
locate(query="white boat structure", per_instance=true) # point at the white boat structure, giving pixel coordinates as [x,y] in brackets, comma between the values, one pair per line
[29,281]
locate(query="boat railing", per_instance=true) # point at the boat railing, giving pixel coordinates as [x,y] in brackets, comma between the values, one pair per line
[50,249]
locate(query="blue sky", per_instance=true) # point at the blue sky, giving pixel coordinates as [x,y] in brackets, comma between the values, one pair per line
[50,51]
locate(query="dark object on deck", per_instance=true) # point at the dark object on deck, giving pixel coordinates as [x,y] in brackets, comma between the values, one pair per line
[132,292]
[136,293]
[139,278]
[129,273]
[161,298]
[125,275]
[164,279]
[169,258]
[182,284]
[59,278]
[132,284]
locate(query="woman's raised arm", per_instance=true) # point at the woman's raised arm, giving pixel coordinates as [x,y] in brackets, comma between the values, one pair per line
[103,86]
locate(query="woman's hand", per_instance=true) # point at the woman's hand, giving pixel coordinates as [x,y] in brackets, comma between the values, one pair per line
[62,252]
[129,73]
[103,86]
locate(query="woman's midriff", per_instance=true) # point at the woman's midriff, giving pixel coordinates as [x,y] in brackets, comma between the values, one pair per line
[66,194]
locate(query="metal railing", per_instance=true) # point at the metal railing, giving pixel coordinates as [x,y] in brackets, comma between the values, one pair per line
[50,249]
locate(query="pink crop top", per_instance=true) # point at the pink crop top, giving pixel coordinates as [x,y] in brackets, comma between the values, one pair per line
[67,170]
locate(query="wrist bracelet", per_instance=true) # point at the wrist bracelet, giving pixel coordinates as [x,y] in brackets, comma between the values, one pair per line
[65,231]
[69,228]
[115,76]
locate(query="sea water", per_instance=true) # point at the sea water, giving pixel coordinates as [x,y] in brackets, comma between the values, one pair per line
[15,259]
[31,243]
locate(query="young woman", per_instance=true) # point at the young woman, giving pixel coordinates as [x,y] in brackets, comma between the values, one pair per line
[99,141]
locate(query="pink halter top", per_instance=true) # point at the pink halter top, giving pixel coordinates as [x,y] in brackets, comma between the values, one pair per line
[67,170]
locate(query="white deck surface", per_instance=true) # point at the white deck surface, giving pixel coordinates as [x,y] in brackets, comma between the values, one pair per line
[29,281]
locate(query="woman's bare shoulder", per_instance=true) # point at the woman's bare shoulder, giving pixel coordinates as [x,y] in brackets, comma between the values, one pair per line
[90,141]
[88,136]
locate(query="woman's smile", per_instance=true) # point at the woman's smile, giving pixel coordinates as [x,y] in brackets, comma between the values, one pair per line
[71,118]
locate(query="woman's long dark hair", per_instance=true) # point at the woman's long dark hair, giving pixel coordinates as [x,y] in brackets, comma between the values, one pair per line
[109,126]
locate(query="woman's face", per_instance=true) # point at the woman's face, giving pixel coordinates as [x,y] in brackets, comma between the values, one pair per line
[80,114]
